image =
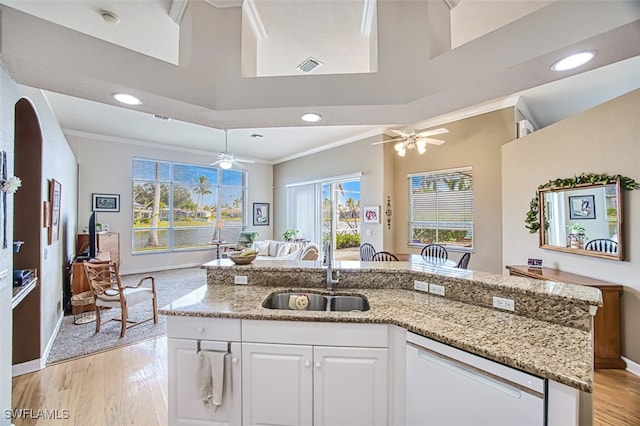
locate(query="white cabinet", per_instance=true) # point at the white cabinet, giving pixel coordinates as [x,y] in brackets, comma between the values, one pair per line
[277,384]
[350,386]
[315,374]
[185,408]
[447,386]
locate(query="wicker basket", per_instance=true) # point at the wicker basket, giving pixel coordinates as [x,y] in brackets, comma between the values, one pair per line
[241,260]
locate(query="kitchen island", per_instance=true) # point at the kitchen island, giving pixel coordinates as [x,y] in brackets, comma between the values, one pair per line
[548,335]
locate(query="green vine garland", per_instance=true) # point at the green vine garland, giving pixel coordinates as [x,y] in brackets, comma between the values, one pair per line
[532,220]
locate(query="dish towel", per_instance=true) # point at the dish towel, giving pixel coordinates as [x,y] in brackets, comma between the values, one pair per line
[210,378]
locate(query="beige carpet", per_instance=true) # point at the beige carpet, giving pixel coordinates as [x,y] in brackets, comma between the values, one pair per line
[76,340]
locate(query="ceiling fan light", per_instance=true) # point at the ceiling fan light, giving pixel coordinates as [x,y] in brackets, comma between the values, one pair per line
[225,164]
[399,146]
[402,152]
[422,146]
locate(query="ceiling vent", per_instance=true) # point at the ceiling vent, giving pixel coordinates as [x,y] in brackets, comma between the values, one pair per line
[309,65]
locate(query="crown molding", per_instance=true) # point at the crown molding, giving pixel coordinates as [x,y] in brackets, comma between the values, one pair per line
[255,22]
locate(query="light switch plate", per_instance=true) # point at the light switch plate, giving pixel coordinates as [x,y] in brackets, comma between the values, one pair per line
[436,289]
[421,285]
[240,279]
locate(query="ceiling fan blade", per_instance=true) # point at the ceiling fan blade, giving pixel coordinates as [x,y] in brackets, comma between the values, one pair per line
[401,133]
[244,160]
[433,132]
[432,141]
[390,140]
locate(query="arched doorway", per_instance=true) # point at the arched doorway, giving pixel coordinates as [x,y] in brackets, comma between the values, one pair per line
[27,227]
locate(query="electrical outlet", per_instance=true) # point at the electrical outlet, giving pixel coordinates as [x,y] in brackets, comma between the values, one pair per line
[420,285]
[240,279]
[502,303]
[436,289]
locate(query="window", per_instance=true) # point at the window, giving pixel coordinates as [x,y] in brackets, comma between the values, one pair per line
[441,208]
[176,206]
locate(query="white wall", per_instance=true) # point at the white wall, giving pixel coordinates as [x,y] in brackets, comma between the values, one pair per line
[106,167]
[59,163]
[8,98]
[601,140]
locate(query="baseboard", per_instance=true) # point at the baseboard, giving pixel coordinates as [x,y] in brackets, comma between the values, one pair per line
[45,355]
[26,367]
[160,268]
[632,367]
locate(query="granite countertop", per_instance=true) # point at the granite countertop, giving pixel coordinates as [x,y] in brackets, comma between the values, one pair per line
[556,352]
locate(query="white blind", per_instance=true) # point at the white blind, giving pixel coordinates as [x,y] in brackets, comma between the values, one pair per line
[441,208]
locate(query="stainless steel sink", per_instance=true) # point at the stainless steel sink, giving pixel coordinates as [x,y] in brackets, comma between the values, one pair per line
[315,302]
[349,303]
[303,301]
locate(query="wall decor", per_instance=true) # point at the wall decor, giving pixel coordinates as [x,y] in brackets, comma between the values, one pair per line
[46,214]
[260,214]
[582,207]
[371,214]
[532,220]
[388,212]
[105,202]
[55,193]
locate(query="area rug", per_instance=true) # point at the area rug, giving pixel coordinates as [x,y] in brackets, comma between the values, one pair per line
[77,340]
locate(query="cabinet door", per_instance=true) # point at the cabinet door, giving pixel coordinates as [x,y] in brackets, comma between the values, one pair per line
[277,384]
[350,386]
[184,406]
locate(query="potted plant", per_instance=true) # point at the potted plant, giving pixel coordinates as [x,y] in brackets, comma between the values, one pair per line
[289,234]
[577,236]
[576,228]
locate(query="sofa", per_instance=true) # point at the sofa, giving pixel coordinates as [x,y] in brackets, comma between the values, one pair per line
[283,250]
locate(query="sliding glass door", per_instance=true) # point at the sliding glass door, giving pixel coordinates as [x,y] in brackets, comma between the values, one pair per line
[327,211]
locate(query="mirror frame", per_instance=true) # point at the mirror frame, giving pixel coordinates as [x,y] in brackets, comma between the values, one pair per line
[542,231]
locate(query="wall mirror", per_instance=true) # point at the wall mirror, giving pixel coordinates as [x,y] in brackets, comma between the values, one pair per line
[586,219]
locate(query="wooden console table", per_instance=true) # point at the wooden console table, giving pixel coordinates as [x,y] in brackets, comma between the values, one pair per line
[606,324]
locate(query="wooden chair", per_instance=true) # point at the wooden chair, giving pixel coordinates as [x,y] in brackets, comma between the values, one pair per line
[366,252]
[108,291]
[384,256]
[464,261]
[602,244]
[435,251]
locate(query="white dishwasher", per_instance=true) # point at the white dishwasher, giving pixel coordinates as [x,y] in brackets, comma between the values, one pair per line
[447,386]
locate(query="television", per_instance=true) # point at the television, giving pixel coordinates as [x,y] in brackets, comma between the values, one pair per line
[93,236]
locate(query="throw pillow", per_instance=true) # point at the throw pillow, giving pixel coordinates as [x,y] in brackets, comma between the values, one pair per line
[294,255]
[262,247]
[310,254]
[273,248]
[283,249]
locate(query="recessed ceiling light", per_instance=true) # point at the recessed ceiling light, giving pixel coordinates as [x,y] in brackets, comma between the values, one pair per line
[126,99]
[311,117]
[573,61]
[109,17]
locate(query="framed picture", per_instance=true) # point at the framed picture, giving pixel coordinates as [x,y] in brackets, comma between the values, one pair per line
[105,202]
[371,214]
[582,207]
[55,193]
[260,214]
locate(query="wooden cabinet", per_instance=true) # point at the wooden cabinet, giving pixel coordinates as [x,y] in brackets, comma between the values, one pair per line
[109,250]
[606,326]
[316,385]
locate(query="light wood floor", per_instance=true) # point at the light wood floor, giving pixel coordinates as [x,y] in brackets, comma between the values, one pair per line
[129,386]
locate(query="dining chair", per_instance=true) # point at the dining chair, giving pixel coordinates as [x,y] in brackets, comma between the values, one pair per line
[464,261]
[602,244]
[366,251]
[109,292]
[434,251]
[384,256]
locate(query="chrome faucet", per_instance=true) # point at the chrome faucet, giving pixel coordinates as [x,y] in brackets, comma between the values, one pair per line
[328,262]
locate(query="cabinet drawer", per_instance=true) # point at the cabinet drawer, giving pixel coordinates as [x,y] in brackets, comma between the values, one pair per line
[316,333]
[204,328]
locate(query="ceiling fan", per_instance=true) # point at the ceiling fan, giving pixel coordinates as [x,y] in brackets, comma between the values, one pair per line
[227,160]
[407,141]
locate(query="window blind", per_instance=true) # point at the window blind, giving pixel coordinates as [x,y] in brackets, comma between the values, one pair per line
[441,208]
